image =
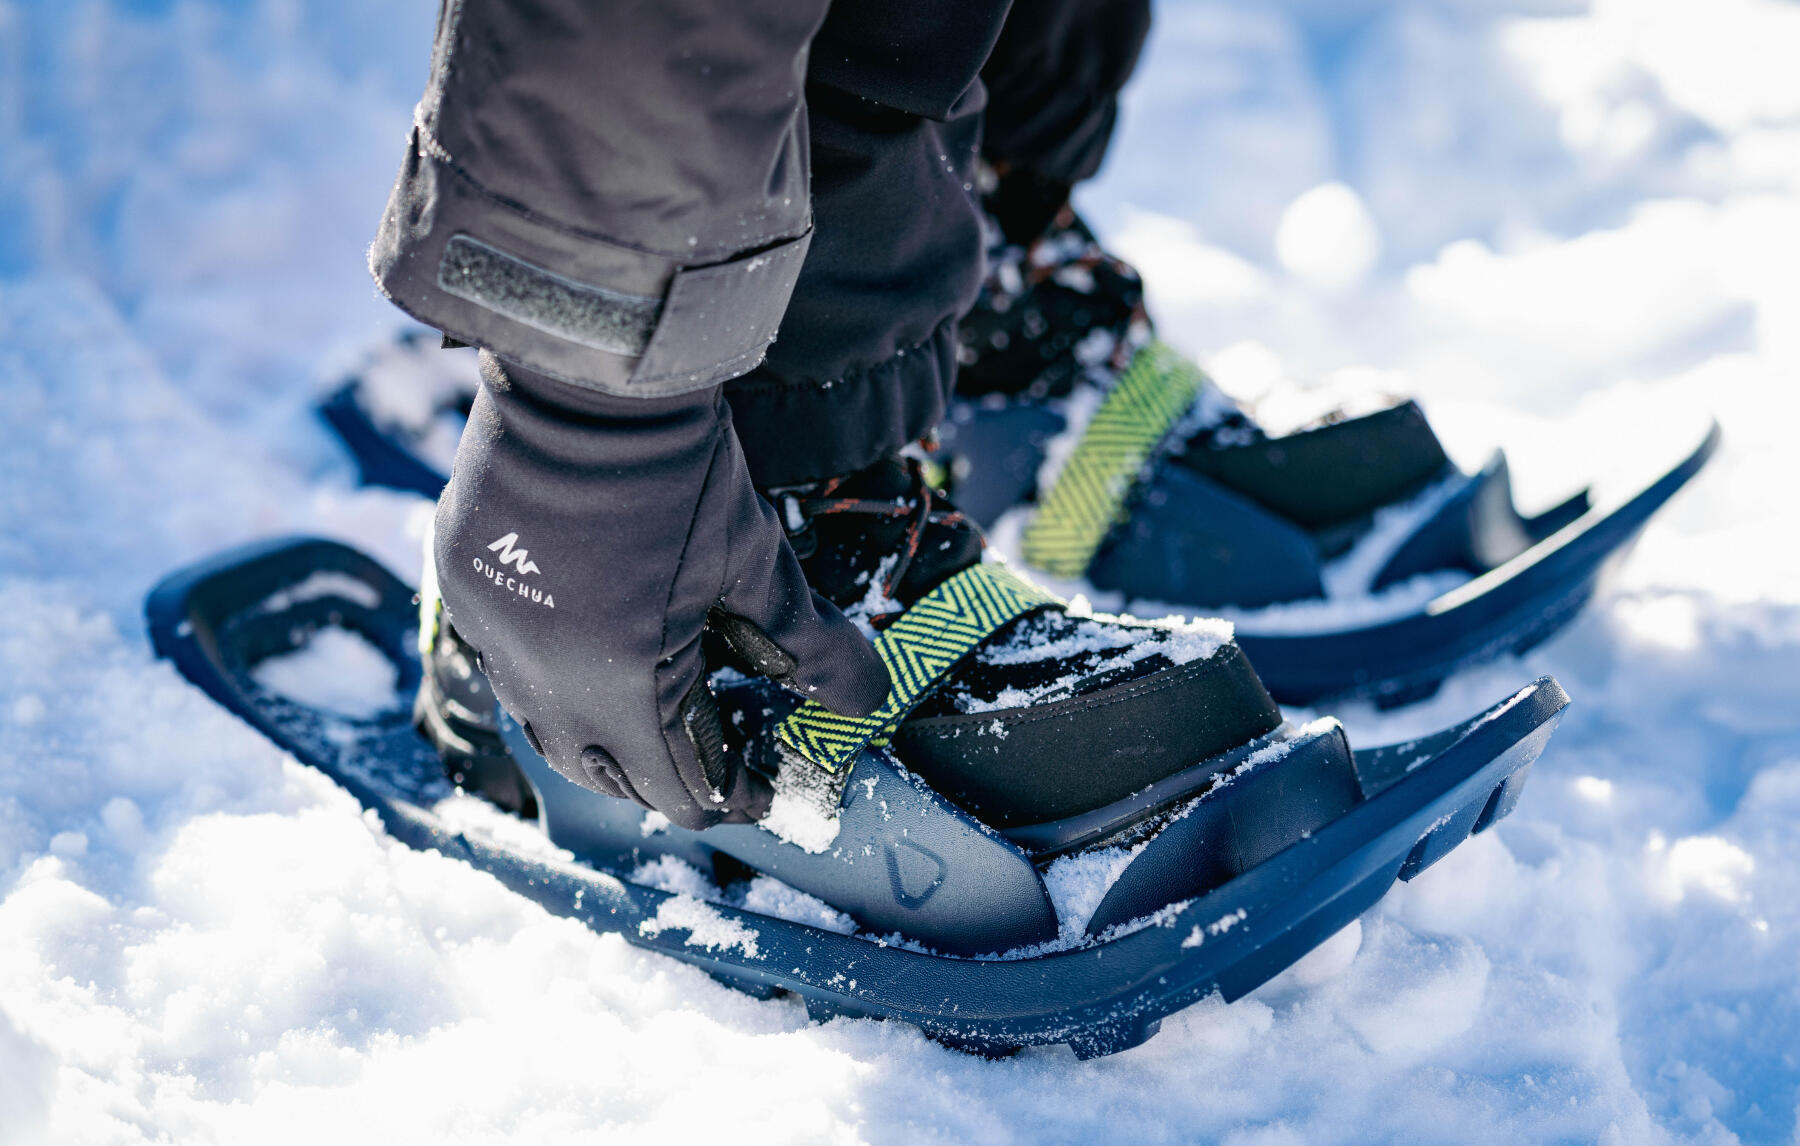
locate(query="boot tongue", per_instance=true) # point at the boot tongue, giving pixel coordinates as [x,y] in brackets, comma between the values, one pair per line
[869,553]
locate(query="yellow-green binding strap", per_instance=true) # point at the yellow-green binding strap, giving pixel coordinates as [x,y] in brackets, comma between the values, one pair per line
[1074,518]
[428,602]
[939,629]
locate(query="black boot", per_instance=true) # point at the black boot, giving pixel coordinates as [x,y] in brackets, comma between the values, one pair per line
[455,710]
[1057,712]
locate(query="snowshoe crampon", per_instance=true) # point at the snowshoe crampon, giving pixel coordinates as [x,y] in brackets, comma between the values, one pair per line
[1217,879]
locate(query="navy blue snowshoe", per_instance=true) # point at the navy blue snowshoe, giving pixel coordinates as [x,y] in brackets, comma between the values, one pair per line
[401,414]
[1028,845]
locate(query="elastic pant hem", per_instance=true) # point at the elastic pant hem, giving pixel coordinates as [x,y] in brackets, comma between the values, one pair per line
[795,432]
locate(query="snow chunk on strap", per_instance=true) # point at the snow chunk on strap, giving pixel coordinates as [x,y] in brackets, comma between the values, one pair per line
[938,630]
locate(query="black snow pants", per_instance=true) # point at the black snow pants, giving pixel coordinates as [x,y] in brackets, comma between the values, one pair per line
[638,196]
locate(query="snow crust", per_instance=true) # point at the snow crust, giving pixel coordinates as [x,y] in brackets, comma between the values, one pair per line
[1584,211]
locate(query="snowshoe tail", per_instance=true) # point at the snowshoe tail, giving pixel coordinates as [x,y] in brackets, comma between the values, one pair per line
[1557,563]
[382,456]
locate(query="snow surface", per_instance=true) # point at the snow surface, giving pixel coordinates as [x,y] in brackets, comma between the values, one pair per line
[338,671]
[1576,210]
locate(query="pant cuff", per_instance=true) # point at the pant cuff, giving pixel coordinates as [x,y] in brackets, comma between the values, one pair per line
[574,306]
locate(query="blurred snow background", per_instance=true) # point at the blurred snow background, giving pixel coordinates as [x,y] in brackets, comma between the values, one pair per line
[1525,211]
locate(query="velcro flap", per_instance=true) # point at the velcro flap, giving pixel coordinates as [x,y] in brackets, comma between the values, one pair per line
[717,321]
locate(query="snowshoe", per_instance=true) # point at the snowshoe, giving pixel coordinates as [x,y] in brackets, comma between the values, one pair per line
[1014,707]
[1082,921]
[1355,558]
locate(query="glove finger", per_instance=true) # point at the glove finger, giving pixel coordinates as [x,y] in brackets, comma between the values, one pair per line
[698,781]
[773,620]
[604,773]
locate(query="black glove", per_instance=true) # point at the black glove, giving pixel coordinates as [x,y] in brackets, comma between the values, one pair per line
[582,545]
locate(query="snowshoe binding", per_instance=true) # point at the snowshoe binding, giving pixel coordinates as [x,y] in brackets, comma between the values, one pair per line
[1006,702]
[1059,829]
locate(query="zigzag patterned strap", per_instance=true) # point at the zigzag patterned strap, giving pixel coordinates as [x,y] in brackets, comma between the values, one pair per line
[939,629]
[1074,518]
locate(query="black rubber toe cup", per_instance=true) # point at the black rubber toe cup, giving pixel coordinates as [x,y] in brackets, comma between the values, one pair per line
[1019,766]
[1333,473]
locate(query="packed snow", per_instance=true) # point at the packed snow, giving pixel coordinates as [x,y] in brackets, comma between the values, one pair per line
[336,670]
[1077,884]
[1524,211]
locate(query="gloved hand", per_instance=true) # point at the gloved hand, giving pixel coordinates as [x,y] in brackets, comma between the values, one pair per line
[582,545]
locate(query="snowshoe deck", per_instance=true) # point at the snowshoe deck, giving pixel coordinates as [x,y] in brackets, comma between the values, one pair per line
[1099,993]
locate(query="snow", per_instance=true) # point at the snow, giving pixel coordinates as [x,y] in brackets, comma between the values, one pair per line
[804,811]
[768,896]
[1077,884]
[1181,642]
[1098,643]
[762,894]
[1583,211]
[705,926]
[321,585]
[338,671]
[1219,926]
